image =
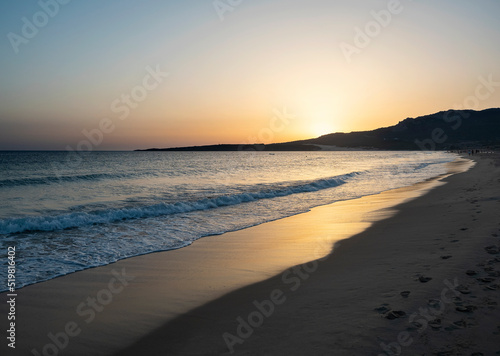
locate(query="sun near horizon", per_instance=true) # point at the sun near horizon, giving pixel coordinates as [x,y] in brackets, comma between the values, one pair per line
[165,74]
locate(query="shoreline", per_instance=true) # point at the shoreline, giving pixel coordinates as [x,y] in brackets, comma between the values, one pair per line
[146,311]
[419,296]
[85,232]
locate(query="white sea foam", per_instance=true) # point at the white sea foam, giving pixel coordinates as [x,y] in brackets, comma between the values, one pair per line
[115,205]
[74,220]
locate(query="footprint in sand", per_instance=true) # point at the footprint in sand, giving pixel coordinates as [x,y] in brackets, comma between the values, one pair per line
[405,293]
[424,279]
[383,308]
[435,324]
[493,250]
[466,308]
[465,323]
[434,303]
[388,313]
[490,303]
[463,289]
[395,314]
[485,279]
[460,323]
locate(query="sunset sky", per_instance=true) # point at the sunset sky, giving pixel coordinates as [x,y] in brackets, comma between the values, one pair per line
[253,71]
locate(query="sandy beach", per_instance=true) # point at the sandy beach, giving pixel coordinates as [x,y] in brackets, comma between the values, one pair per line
[421,282]
[264,178]
[418,274]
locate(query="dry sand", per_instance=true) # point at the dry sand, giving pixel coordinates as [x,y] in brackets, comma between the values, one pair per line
[345,303]
[342,304]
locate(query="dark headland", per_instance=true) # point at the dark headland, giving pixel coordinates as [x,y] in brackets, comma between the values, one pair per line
[445,130]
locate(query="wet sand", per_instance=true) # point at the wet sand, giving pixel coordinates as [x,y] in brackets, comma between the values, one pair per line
[192,300]
[425,281]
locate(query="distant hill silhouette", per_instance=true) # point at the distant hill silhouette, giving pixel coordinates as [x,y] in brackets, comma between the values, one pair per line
[445,130]
[289,146]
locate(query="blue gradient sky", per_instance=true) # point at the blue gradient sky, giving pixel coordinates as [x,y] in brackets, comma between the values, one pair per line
[227,78]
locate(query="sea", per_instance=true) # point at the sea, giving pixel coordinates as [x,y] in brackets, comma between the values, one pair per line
[64,212]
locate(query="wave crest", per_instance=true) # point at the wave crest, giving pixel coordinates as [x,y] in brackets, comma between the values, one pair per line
[74,220]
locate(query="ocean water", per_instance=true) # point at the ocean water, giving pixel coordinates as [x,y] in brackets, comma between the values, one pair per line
[66,212]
